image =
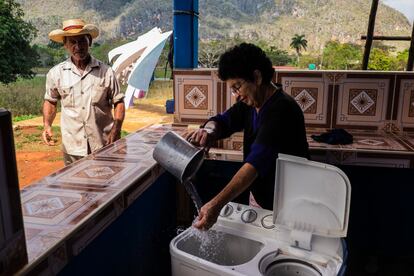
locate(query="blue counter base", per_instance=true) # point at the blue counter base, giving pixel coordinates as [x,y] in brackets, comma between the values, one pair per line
[137,243]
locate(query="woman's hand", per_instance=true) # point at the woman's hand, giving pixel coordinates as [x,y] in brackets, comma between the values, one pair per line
[208,216]
[203,137]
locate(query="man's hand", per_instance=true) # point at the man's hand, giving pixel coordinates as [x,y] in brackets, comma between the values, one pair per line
[47,136]
[49,114]
[113,136]
[208,216]
[119,115]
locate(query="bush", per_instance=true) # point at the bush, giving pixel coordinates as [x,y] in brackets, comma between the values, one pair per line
[382,60]
[24,97]
[305,60]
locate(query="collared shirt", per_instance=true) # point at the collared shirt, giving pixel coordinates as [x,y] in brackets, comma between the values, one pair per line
[87,100]
[278,127]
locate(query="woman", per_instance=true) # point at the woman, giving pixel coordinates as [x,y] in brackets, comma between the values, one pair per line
[272,122]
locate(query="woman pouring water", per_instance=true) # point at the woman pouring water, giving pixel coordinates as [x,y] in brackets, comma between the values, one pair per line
[271,120]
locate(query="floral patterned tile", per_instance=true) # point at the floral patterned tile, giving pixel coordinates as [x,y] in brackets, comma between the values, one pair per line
[45,206]
[376,142]
[99,173]
[408,139]
[51,213]
[153,134]
[39,245]
[126,151]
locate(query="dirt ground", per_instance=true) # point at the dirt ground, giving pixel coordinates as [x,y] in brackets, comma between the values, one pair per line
[36,160]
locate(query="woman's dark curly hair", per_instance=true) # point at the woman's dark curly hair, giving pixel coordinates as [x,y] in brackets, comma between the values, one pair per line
[241,61]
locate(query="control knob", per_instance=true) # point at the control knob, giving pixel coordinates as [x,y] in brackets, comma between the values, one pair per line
[267,221]
[248,216]
[226,211]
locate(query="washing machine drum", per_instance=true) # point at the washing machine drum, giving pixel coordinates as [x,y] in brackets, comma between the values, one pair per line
[274,265]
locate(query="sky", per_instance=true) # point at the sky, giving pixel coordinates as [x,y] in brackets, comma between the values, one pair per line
[404,6]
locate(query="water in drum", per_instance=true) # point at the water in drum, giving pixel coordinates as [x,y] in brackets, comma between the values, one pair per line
[191,190]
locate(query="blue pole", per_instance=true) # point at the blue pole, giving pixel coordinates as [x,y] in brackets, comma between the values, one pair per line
[185,34]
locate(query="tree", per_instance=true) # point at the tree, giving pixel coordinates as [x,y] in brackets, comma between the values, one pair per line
[341,56]
[17,56]
[209,54]
[382,60]
[298,43]
[277,56]
[402,58]
[209,51]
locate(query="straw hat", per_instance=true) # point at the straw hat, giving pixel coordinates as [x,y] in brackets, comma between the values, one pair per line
[73,27]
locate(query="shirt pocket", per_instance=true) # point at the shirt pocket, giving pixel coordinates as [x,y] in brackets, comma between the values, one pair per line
[100,96]
[67,96]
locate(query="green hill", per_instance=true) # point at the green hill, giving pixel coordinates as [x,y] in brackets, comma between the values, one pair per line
[274,21]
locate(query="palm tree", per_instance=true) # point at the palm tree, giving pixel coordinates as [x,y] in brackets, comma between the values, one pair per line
[298,43]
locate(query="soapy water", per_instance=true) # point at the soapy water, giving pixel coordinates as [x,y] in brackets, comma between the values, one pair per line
[210,242]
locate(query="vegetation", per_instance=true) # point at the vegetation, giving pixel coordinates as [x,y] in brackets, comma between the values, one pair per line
[209,52]
[30,139]
[17,56]
[298,43]
[23,117]
[23,97]
[341,56]
[277,56]
[274,21]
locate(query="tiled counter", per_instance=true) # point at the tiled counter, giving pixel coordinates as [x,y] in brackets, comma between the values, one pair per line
[67,210]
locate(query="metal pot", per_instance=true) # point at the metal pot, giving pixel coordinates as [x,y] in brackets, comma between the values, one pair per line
[178,156]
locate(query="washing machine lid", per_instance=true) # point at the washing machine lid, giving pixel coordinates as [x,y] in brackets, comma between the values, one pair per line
[311,197]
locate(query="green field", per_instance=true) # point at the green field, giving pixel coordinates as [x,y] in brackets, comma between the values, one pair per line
[24,98]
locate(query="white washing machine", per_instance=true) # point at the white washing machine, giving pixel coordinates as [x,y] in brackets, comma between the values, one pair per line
[302,236]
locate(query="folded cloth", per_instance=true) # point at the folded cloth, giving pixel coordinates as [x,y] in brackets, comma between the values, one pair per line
[336,136]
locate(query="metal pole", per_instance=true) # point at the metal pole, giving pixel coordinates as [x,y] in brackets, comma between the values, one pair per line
[410,62]
[383,37]
[185,34]
[370,34]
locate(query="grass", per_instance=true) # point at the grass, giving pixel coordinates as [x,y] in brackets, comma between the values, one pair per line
[158,93]
[23,97]
[55,159]
[23,117]
[30,139]
[160,72]
[124,133]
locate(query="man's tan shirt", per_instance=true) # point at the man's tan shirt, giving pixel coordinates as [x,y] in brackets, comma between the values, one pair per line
[87,100]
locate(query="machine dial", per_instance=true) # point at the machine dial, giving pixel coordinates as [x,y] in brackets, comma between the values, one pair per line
[248,216]
[267,222]
[226,211]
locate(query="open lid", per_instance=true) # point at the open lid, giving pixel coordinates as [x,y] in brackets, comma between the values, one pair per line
[311,197]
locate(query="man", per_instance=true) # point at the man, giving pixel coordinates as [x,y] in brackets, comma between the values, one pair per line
[272,122]
[87,89]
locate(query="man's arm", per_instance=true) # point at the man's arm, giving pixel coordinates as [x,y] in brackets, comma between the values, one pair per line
[119,115]
[211,210]
[49,114]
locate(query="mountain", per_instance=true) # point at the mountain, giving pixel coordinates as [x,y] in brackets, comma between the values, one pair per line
[274,21]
